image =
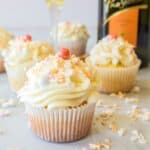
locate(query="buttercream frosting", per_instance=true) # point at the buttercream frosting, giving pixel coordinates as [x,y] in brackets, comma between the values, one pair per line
[58,83]
[67,30]
[113,52]
[21,51]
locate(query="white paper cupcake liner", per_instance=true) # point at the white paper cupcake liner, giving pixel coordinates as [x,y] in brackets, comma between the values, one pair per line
[17,75]
[62,125]
[113,80]
[77,47]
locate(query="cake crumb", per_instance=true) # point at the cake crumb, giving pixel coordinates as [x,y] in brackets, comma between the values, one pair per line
[104,145]
[122,131]
[146,116]
[135,113]
[113,127]
[119,94]
[136,89]
[138,137]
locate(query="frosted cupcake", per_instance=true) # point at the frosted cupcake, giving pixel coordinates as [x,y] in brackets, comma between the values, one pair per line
[59,98]
[73,37]
[115,63]
[5,37]
[21,55]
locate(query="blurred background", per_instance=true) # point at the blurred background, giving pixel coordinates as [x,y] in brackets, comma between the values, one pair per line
[32,16]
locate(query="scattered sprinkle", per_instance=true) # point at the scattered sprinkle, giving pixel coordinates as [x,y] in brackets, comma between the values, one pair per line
[105,145]
[113,127]
[138,137]
[122,132]
[136,89]
[135,113]
[119,94]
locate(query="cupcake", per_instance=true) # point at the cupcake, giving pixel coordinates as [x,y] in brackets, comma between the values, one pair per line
[115,64]
[73,37]
[59,98]
[5,37]
[22,53]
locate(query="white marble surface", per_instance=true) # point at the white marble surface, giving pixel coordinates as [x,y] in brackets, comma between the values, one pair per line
[17,135]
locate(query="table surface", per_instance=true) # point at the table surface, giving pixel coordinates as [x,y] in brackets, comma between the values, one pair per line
[17,135]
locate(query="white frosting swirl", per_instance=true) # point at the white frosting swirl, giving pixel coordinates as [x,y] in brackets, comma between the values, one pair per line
[58,83]
[113,52]
[67,30]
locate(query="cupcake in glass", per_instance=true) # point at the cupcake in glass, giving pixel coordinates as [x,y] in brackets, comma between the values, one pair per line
[74,37]
[5,37]
[22,53]
[60,98]
[115,64]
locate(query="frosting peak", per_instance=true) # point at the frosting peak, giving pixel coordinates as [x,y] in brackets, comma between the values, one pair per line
[72,31]
[115,52]
[21,50]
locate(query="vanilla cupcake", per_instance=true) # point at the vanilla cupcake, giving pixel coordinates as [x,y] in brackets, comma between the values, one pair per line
[73,37]
[59,98]
[115,64]
[5,37]
[21,54]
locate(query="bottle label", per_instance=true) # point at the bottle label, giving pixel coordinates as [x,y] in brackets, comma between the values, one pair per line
[125,24]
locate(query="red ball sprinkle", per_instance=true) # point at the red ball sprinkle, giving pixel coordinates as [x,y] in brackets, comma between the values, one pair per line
[27,38]
[64,53]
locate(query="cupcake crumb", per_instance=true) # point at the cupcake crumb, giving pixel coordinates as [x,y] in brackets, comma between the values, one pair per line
[104,145]
[119,94]
[136,89]
[138,137]
[122,132]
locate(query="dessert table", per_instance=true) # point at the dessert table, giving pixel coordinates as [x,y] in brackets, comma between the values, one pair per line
[121,122]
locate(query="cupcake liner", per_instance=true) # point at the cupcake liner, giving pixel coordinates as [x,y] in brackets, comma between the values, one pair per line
[61,125]
[113,80]
[17,75]
[77,47]
[2,68]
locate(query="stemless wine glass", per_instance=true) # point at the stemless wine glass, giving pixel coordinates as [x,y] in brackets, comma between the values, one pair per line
[55,8]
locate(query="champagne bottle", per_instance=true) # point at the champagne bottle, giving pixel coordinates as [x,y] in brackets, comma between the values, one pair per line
[130,19]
